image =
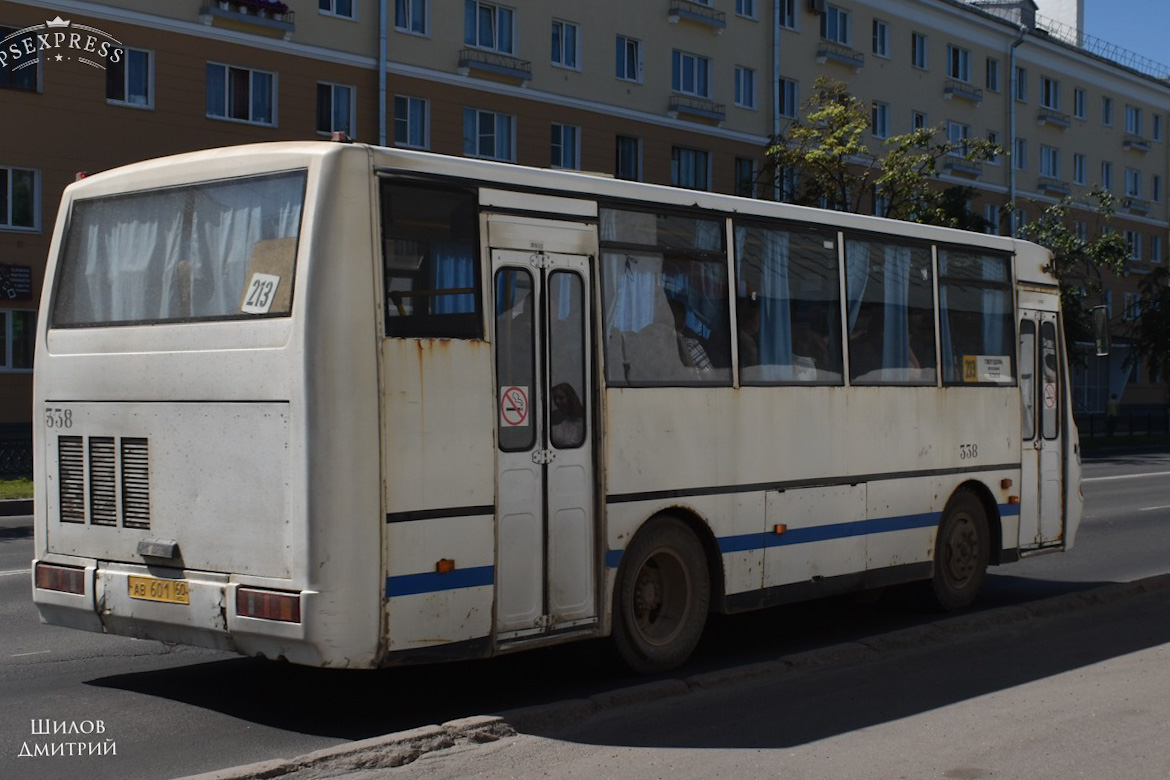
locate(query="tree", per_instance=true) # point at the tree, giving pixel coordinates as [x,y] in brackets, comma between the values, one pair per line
[834,165]
[1079,263]
[1150,332]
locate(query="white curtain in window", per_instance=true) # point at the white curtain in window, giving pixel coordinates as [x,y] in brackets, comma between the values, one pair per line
[896,314]
[856,277]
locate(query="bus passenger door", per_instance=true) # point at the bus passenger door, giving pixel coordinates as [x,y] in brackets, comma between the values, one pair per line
[1042,438]
[546,539]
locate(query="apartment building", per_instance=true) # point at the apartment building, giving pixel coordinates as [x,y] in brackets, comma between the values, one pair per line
[685,92]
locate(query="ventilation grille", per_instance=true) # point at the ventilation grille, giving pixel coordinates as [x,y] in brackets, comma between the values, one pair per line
[102,468]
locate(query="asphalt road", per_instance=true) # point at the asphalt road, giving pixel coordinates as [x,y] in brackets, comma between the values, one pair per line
[175,711]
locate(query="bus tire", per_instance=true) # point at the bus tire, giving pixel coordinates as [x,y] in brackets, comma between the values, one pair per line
[961,552]
[661,597]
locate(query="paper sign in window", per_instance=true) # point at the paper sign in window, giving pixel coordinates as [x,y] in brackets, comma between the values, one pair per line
[260,293]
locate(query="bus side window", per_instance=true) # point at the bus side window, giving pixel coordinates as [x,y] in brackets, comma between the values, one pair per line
[430,261]
[891,313]
[666,306]
[975,303]
[788,305]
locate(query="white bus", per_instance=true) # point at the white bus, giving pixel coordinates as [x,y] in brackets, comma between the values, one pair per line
[353,407]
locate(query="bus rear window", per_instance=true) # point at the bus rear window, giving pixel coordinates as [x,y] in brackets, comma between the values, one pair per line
[213,251]
[431,261]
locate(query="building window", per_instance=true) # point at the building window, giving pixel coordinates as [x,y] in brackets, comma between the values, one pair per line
[917,120]
[488,26]
[24,73]
[1131,302]
[1079,169]
[1133,120]
[1021,84]
[335,108]
[835,25]
[1107,175]
[881,38]
[1107,111]
[688,168]
[1049,161]
[1156,188]
[788,14]
[1155,248]
[18,333]
[241,94]
[746,173]
[880,119]
[1020,155]
[130,80]
[745,87]
[629,59]
[565,44]
[958,63]
[1079,103]
[629,158]
[1049,93]
[788,98]
[993,138]
[690,74]
[19,198]
[918,50]
[746,8]
[411,122]
[1133,242]
[343,8]
[1133,183]
[566,146]
[958,134]
[411,16]
[992,82]
[1157,127]
[488,135]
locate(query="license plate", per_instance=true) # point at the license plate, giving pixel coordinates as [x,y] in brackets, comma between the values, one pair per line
[152,589]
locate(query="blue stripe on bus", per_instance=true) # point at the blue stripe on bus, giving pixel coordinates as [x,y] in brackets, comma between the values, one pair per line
[823,533]
[433,582]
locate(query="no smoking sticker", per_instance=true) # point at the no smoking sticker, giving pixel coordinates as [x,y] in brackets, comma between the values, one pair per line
[1050,395]
[514,406]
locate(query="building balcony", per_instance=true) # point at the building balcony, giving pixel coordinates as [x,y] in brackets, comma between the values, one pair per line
[697,13]
[265,17]
[958,166]
[482,61]
[1051,186]
[1135,205]
[827,51]
[1136,143]
[963,91]
[695,108]
[1048,116]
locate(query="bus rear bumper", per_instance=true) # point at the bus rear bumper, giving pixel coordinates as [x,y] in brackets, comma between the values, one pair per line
[176,606]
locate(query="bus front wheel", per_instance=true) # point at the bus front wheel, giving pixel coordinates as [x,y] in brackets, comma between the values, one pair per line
[661,597]
[961,552]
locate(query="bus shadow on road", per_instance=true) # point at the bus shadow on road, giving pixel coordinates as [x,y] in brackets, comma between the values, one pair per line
[347,704]
[799,706]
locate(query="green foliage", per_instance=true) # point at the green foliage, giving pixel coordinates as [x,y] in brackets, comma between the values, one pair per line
[1151,331]
[1078,263]
[835,166]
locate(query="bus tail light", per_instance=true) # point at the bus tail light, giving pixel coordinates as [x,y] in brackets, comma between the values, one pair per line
[67,579]
[268,604]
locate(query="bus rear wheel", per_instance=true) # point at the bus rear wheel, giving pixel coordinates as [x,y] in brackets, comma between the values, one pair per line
[961,552]
[661,597]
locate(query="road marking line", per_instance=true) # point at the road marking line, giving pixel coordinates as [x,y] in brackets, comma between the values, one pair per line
[1127,476]
[36,652]
[14,571]
[1153,508]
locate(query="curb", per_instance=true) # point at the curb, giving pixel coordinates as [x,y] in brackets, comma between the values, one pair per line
[14,507]
[403,747]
